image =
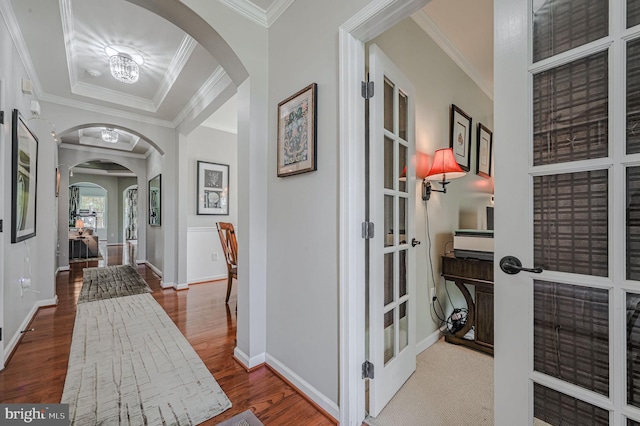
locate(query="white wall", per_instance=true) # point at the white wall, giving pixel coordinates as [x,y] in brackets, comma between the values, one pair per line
[302,210]
[203,243]
[33,258]
[439,82]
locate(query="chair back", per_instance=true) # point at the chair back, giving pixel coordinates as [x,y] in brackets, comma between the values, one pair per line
[229,243]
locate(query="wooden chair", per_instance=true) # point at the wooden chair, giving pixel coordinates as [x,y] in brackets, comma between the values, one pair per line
[230,247]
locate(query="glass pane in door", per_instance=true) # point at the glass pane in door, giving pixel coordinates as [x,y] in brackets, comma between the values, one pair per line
[633,96]
[388,105]
[402,166]
[633,224]
[571,334]
[570,111]
[555,408]
[402,273]
[404,327]
[571,226]
[632,423]
[389,238]
[633,13]
[403,111]
[561,25]
[388,278]
[389,177]
[389,337]
[633,349]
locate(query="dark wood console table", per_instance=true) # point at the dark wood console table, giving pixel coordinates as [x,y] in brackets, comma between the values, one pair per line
[478,273]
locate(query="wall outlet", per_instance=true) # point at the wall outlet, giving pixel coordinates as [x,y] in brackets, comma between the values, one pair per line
[432,294]
[25,282]
[214,256]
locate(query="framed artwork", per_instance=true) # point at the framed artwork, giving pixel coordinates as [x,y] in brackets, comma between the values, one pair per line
[485,151]
[24,173]
[460,139]
[297,132]
[155,192]
[213,188]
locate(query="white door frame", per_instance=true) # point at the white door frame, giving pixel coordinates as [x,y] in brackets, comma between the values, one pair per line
[372,20]
[5,224]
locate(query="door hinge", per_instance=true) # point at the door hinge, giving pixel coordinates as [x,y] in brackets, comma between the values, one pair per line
[367,89]
[367,230]
[0,225]
[367,370]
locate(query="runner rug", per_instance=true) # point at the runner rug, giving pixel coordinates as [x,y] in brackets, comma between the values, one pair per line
[130,364]
[111,281]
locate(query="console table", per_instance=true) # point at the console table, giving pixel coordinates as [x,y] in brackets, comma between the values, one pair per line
[478,273]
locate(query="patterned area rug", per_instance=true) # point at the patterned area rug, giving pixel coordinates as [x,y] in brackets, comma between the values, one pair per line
[246,418]
[111,281]
[129,364]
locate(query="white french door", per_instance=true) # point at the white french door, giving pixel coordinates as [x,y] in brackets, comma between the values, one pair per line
[567,126]
[391,320]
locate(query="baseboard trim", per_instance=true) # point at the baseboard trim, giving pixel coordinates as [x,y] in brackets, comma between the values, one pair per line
[207,279]
[183,286]
[12,345]
[424,344]
[157,271]
[165,285]
[306,390]
[249,364]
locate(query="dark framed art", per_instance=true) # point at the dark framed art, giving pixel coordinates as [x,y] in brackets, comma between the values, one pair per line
[460,138]
[24,174]
[484,151]
[155,193]
[213,188]
[297,131]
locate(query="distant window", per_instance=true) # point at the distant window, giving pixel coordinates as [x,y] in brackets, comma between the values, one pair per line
[94,203]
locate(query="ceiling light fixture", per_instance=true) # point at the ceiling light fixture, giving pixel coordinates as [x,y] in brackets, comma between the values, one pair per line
[124,68]
[109,135]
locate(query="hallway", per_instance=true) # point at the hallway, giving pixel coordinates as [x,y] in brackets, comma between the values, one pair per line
[37,369]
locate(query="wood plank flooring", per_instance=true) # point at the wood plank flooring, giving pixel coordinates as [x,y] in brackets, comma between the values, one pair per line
[38,367]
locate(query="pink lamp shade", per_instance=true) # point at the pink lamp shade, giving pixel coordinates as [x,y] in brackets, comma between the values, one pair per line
[444,166]
[79,223]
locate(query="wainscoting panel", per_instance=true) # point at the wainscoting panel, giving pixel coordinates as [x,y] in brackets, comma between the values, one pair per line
[203,246]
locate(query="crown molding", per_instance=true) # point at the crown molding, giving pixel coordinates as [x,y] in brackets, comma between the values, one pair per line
[14,29]
[262,17]
[426,23]
[100,93]
[179,60]
[104,151]
[105,110]
[66,15]
[214,85]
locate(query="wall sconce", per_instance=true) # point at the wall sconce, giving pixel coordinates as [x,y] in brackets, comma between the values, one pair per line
[444,167]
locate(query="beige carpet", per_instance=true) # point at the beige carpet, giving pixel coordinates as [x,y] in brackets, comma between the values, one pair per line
[452,386]
[130,365]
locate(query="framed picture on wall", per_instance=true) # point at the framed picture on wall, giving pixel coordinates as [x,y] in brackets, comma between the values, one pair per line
[297,119]
[155,192]
[213,188]
[485,151]
[460,139]
[24,168]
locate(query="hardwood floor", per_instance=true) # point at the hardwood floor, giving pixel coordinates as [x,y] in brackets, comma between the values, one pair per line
[38,367]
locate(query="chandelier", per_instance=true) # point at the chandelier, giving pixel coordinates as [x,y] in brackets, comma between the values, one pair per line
[124,68]
[109,135]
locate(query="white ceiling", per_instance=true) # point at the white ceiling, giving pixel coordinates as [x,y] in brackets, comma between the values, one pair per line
[63,43]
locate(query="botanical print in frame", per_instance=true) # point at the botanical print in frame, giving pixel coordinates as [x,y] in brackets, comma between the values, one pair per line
[460,139]
[297,120]
[485,151]
[213,188]
[23,180]
[155,202]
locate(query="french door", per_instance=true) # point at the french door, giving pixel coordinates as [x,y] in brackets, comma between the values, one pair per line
[567,125]
[391,309]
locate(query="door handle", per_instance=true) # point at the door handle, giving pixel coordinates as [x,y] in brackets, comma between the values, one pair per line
[414,242]
[511,265]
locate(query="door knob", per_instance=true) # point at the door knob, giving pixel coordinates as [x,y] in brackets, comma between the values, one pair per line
[414,242]
[511,265]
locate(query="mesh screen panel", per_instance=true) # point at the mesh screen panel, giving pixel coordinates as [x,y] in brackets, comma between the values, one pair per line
[633,223]
[571,222]
[633,349]
[633,13]
[633,96]
[571,334]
